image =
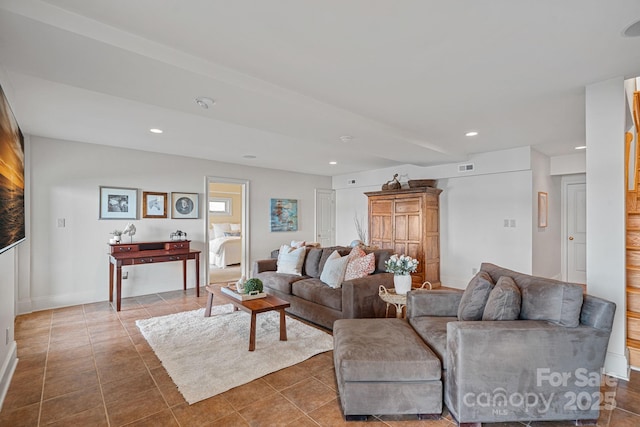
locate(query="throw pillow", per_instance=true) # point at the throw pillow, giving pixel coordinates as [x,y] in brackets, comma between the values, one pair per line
[504,301]
[360,264]
[235,227]
[219,229]
[290,260]
[475,297]
[297,243]
[231,234]
[334,269]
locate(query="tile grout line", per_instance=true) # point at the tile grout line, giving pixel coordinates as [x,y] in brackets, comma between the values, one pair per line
[95,365]
[44,374]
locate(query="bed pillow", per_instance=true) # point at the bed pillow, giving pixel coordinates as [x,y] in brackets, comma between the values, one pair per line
[219,229]
[360,264]
[475,297]
[231,234]
[235,227]
[290,260]
[334,269]
[504,301]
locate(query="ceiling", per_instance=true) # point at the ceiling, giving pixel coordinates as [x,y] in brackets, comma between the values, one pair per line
[405,79]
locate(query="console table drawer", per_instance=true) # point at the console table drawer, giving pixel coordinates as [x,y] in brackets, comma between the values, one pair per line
[125,248]
[165,258]
[176,245]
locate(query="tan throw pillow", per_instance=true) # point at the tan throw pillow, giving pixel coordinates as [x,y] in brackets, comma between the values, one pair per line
[290,260]
[360,264]
[334,269]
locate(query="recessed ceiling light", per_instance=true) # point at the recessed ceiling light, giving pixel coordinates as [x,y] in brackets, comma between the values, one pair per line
[632,30]
[249,156]
[333,163]
[581,147]
[471,133]
[204,102]
[155,130]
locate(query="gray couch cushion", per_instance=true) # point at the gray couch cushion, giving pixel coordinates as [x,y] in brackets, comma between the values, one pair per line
[433,331]
[312,263]
[326,252]
[558,303]
[475,297]
[548,299]
[315,291]
[382,350]
[279,281]
[504,301]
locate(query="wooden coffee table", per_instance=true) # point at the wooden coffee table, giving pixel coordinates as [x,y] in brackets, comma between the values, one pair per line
[253,307]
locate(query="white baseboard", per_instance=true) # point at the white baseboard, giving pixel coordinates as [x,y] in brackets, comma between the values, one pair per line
[7,370]
[617,365]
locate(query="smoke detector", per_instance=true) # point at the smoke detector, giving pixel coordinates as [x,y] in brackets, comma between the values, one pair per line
[204,102]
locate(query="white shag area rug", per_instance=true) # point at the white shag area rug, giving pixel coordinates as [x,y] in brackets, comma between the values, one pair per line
[206,356]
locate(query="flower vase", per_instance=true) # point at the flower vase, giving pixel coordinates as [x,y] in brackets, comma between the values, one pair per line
[402,283]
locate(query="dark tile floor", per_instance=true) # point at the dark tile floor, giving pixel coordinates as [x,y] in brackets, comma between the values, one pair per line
[90,366]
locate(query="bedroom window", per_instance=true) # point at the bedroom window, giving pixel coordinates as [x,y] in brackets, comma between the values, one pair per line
[220,206]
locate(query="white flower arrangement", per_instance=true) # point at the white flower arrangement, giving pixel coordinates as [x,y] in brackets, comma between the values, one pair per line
[401,265]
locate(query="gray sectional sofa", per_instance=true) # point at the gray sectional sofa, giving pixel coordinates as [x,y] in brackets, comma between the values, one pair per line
[313,300]
[544,365]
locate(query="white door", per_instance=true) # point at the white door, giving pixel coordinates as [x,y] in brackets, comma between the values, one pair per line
[577,233]
[325,217]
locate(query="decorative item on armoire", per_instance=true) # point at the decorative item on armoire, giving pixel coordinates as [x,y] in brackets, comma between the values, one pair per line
[394,184]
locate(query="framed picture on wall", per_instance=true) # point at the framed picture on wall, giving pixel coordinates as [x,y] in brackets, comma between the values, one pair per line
[543,209]
[154,205]
[184,205]
[118,203]
[284,215]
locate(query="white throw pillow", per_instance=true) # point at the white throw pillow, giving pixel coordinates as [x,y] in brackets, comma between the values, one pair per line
[219,229]
[235,227]
[290,260]
[334,269]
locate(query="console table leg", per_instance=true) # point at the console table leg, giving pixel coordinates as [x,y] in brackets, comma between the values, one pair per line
[197,275]
[184,274]
[110,282]
[118,287]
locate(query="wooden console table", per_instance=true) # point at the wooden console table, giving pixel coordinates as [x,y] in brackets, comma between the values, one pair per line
[149,253]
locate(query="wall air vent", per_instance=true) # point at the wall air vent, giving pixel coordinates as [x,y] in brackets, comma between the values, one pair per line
[465,168]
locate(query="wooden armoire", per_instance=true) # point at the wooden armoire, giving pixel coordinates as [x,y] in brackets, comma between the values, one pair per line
[407,221]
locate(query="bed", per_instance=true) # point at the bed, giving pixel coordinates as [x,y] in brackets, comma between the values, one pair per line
[225,248]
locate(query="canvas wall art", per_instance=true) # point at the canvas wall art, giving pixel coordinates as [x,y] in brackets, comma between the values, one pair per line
[284,215]
[12,210]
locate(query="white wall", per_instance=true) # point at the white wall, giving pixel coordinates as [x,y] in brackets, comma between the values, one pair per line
[605,119]
[8,349]
[547,256]
[569,164]
[474,206]
[70,266]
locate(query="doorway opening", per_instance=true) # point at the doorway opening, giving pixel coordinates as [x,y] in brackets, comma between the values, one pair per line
[227,228]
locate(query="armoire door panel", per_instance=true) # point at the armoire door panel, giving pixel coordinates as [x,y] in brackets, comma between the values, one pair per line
[413,205]
[401,231]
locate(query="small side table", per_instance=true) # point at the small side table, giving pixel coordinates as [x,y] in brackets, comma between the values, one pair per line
[398,300]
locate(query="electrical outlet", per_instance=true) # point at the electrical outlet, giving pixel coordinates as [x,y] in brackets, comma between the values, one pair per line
[512,223]
[125,275]
[351,181]
[506,222]
[61,223]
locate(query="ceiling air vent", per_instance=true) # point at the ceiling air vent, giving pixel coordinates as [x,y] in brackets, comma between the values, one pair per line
[465,168]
